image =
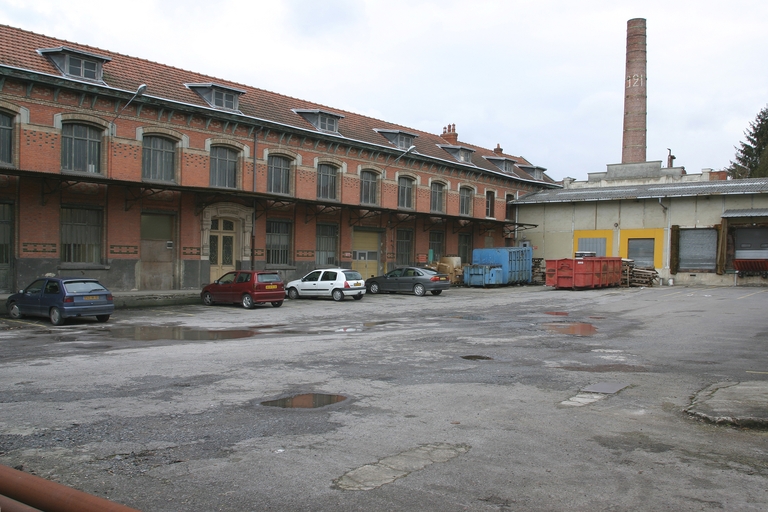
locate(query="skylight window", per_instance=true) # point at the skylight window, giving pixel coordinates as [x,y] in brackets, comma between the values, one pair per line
[460,153]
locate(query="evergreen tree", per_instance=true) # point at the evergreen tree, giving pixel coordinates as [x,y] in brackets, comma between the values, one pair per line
[752,155]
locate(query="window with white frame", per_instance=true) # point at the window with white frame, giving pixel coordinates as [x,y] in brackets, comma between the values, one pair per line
[405,193]
[223,167]
[278,175]
[368,187]
[437,197]
[158,159]
[6,139]
[80,235]
[326,181]
[224,99]
[465,201]
[80,148]
[327,122]
[278,242]
[465,155]
[404,141]
[82,68]
[510,207]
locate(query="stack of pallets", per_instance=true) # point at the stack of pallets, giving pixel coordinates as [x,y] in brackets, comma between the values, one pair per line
[538,272]
[637,276]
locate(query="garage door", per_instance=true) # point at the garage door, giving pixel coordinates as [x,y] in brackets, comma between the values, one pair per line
[366,247]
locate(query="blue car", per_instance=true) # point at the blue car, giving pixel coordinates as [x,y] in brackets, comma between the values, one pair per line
[60,298]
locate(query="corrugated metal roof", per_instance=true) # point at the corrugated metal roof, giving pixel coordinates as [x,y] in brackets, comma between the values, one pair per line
[683,189]
[756,212]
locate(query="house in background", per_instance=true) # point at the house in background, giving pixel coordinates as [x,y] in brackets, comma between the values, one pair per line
[151,177]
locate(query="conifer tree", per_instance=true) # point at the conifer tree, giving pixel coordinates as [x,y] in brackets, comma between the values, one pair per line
[752,155]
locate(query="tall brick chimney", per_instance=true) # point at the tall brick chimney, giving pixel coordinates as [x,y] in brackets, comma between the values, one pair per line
[450,135]
[635,94]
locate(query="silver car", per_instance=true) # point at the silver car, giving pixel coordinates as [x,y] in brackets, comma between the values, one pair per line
[328,282]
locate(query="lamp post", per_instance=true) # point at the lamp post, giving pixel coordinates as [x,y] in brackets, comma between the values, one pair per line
[139,92]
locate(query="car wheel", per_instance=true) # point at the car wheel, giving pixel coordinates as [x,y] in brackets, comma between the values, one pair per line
[419,290]
[247,301]
[13,311]
[374,287]
[337,295]
[55,315]
[357,297]
[208,299]
[293,293]
[102,318]
[436,292]
[277,304]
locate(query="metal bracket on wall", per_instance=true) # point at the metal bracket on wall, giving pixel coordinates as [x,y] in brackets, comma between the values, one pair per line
[396,219]
[358,215]
[432,221]
[314,211]
[51,186]
[265,205]
[132,197]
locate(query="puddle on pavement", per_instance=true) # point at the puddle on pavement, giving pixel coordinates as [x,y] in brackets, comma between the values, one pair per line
[162,332]
[556,313]
[477,358]
[305,401]
[574,329]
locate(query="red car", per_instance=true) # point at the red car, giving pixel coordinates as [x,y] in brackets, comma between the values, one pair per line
[247,287]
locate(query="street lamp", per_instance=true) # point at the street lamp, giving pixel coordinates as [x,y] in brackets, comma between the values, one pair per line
[139,92]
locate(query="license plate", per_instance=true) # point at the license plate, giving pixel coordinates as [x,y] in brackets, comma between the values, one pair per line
[356,284]
[271,287]
[443,278]
[91,297]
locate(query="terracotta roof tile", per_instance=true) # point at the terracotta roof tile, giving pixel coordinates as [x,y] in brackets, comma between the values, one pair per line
[18,48]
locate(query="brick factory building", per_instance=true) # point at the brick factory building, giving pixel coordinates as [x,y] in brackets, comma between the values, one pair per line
[150,177]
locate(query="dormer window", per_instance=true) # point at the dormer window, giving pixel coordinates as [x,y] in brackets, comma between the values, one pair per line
[401,139]
[321,119]
[76,63]
[506,165]
[460,153]
[218,96]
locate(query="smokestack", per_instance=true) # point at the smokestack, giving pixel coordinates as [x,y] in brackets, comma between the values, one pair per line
[635,94]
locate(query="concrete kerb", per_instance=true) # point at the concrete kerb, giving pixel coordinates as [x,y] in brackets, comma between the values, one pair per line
[743,404]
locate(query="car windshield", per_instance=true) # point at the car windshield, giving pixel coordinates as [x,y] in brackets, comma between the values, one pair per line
[83,287]
[269,278]
[352,275]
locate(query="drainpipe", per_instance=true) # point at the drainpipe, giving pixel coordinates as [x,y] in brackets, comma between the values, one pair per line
[253,221]
[43,494]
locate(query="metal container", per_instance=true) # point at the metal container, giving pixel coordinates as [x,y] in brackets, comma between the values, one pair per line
[498,266]
[580,273]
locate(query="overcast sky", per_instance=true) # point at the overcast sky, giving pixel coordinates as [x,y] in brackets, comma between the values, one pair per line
[544,79]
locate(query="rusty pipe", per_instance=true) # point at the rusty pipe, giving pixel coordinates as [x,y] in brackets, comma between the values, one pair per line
[9,505]
[49,496]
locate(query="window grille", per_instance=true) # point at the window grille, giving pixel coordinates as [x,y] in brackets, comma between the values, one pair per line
[278,242]
[437,199]
[223,167]
[80,148]
[80,235]
[405,193]
[278,175]
[368,182]
[158,159]
[326,181]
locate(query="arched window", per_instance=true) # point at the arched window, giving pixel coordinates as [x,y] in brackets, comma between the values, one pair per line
[80,148]
[369,181]
[437,198]
[158,159]
[326,181]
[223,167]
[6,139]
[465,201]
[278,175]
[405,192]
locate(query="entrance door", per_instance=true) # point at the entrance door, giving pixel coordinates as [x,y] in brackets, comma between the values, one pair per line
[366,246]
[157,252]
[6,222]
[223,247]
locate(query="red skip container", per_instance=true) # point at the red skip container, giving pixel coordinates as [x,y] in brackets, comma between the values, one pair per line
[576,273]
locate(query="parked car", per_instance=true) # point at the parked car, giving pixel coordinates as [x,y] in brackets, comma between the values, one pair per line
[409,280]
[60,298]
[329,282]
[246,287]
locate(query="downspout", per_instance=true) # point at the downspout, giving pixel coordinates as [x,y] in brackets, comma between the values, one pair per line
[255,202]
